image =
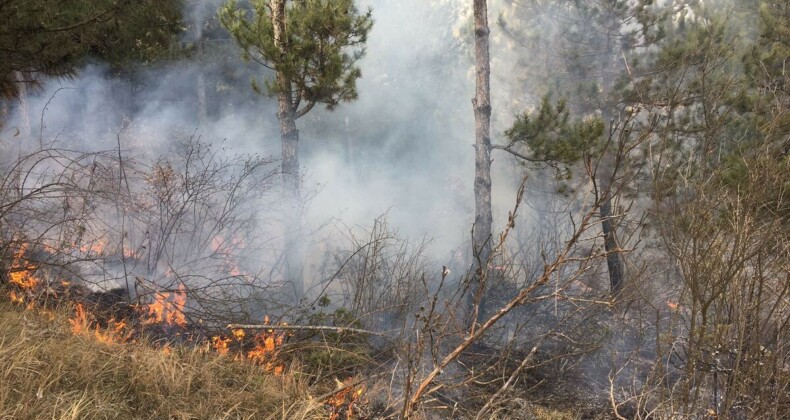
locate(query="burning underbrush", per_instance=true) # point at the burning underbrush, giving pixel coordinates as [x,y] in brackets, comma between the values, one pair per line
[50,373]
[160,362]
[112,317]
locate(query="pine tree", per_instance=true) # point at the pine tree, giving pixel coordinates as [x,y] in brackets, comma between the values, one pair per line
[313,47]
[592,43]
[482,186]
[50,38]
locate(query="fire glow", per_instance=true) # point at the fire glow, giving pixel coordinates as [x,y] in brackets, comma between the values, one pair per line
[168,308]
[117,332]
[22,274]
[266,345]
[346,400]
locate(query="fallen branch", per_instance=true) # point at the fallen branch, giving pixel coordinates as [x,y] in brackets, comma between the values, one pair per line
[304,328]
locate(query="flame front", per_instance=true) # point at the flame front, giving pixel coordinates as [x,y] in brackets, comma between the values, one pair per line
[15,298]
[267,344]
[21,274]
[264,352]
[83,324]
[347,399]
[79,323]
[168,308]
[221,344]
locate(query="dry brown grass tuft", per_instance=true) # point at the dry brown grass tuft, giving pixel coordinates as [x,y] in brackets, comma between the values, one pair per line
[47,372]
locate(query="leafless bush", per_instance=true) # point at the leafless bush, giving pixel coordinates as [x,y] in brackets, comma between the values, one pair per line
[47,200]
[109,220]
[731,245]
[379,276]
[195,220]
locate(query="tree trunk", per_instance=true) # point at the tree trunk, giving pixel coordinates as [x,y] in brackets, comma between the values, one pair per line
[289,135]
[201,87]
[616,274]
[294,259]
[482,109]
[24,107]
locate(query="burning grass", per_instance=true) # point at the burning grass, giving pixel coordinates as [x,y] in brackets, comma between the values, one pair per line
[89,363]
[49,372]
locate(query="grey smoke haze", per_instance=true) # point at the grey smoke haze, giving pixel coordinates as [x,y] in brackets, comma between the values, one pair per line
[405,147]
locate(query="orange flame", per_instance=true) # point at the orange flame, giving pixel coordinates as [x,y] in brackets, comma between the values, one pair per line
[24,279]
[16,298]
[96,247]
[347,399]
[264,353]
[21,274]
[220,344]
[168,308]
[267,344]
[116,331]
[239,334]
[129,253]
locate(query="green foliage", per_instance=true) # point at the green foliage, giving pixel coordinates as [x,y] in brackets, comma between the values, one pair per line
[724,88]
[590,49]
[324,39]
[339,350]
[552,137]
[766,68]
[41,38]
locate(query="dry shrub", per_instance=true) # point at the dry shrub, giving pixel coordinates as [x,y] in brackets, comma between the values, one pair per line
[729,237]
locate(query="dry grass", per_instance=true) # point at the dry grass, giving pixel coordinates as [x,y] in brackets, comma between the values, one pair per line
[47,372]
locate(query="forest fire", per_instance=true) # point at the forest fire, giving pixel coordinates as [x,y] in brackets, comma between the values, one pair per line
[263,352]
[346,402]
[22,278]
[97,319]
[15,298]
[21,274]
[168,308]
[221,345]
[116,332]
[96,247]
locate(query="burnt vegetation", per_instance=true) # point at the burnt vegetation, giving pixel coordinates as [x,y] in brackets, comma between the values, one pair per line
[620,249]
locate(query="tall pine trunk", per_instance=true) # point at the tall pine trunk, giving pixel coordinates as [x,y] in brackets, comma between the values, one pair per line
[482,109]
[200,86]
[289,136]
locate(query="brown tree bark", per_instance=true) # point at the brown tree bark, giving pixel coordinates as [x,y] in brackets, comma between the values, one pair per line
[482,109]
[201,87]
[289,136]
